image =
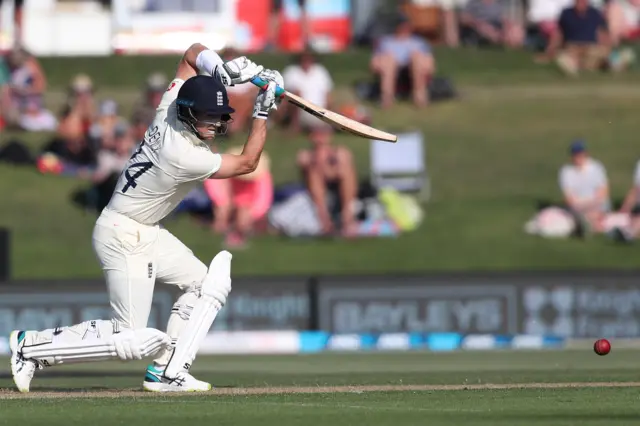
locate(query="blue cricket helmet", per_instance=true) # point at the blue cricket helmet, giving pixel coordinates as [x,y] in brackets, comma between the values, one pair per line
[203,99]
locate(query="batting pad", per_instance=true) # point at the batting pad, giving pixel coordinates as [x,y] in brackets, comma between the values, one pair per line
[98,342]
[215,289]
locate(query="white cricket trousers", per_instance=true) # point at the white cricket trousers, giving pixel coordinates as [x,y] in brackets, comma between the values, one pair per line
[133,257]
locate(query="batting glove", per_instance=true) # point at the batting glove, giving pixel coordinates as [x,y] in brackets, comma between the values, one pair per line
[267,99]
[237,71]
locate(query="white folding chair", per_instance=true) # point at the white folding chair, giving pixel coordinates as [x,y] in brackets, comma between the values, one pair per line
[401,165]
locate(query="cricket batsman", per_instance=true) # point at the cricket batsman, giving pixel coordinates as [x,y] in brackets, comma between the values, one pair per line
[136,252]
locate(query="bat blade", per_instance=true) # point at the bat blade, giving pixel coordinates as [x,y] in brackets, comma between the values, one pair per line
[337,120]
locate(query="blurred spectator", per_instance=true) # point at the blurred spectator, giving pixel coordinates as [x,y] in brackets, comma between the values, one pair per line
[543,15]
[277,16]
[450,22]
[69,149]
[623,18]
[103,131]
[27,83]
[485,22]
[241,98]
[437,19]
[631,207]
[109,165]
[104,174]
[580,41]
[66,156]
[155,87]
[311,80]
[140,123]
[403,59]
[111,161]
[241,202]
[79,111]
[585,187]
[330,176]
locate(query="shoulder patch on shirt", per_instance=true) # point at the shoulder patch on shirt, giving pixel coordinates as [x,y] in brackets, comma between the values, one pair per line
[171,86]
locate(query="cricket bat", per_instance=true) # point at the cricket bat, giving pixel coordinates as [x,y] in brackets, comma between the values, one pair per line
[340,121]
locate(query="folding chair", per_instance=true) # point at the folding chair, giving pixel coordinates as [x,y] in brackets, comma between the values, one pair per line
[401,165]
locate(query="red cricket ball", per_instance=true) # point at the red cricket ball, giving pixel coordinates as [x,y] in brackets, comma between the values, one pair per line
[602,347]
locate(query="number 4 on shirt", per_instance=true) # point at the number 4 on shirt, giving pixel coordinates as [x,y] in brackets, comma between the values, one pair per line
[142,168]
[131,179]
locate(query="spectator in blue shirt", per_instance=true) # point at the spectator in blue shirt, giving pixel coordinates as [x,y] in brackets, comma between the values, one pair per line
[403,59]
[581,39]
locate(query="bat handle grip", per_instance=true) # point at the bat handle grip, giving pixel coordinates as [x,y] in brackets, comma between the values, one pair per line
[263,84]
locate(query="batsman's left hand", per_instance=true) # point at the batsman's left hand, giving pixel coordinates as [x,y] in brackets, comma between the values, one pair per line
[273,77]
[237,71]
[266,100]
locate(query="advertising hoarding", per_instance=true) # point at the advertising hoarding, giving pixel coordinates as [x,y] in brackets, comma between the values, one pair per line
[568,305]
[265,304]
[415,304]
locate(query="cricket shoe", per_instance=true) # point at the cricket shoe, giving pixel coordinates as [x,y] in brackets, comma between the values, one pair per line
[155,381]
[22,369]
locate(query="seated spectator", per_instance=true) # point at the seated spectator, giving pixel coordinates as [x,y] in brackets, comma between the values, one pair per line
[109,165]
[241,202]
[70,148]
[25,104]
[580,41]
[102,132]
[34,118]
[485,22]
[140,123]
[330,176]
[631,207]
[66,156]
[241,98]
[623,19]
[406,59]
[79,111]
[111,161]
[304,69]
[585,187]
[155,87]
[543,15]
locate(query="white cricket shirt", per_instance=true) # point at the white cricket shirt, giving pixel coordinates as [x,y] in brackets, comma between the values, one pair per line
[584,182]
[167,165]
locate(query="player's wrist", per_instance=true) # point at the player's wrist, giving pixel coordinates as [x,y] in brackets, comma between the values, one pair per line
[260,115]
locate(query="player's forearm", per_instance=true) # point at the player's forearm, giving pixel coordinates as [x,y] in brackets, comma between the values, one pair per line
[255,144]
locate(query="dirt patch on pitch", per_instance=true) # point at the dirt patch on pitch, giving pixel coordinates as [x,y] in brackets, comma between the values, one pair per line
[6,394]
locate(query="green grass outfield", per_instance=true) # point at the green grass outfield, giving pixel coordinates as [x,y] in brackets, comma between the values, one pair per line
[490,155]
[463,388]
